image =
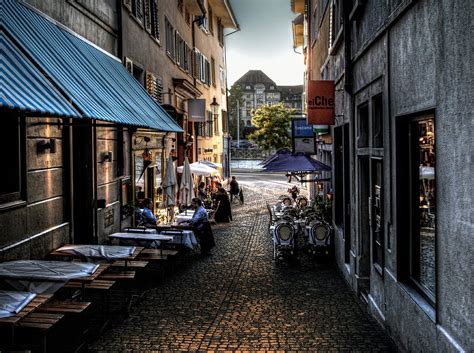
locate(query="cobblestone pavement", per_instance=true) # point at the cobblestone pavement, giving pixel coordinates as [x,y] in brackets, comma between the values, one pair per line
[239,299]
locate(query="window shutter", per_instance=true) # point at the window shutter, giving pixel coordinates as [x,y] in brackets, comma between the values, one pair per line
[128,4]
[139,10]
[148,16]
[154,86]
[129,65]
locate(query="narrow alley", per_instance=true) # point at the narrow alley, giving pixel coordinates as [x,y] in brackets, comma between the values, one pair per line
[239,299]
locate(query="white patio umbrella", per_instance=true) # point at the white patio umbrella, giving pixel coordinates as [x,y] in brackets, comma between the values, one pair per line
[169,183]
[200,169]
[186,186]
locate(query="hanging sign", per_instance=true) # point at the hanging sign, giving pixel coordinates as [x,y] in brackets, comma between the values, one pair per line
[302,136]
[320,102]
[197,110]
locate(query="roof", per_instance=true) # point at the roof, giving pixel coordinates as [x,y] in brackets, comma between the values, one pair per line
[96,83]
[24,88]
[289,91]
[254,77]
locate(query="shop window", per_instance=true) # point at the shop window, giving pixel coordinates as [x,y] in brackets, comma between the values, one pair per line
[338,177]
[377,122]
[363,126]
[417,203]
[377,216]
[11,140]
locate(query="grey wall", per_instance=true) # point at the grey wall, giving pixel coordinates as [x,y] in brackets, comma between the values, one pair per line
[419,53]
[95,20]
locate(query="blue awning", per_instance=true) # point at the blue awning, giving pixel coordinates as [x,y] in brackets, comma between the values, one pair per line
[24,88]
[96,82]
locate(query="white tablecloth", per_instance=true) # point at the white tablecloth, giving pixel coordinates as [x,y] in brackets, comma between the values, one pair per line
[11,302]
[146,240]
[183,237]
[106,252]
[40,276]
[183,217]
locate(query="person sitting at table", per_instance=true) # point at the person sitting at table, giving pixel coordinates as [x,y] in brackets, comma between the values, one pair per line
[201,193]
[202,228]
[147,214]
[223,211]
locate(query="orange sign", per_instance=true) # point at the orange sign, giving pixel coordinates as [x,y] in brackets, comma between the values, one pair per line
[320,99]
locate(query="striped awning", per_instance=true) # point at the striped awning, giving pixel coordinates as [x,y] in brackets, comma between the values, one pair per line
[96,82]
[24,88]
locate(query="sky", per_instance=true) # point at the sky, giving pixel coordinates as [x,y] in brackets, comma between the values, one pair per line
[264,42]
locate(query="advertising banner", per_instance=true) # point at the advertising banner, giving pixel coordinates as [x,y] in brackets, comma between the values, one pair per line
[197,110]
[302,136]
[320,102]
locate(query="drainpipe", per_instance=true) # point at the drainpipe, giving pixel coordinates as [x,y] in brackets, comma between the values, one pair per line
[119,30]
[95,181]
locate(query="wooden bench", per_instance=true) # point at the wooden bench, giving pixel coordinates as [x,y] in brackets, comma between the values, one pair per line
[167,252]
[130,264]
[40,321]
[118,275]
[97,284]
[64,307]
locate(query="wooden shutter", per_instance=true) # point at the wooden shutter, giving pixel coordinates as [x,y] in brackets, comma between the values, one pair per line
[129,65]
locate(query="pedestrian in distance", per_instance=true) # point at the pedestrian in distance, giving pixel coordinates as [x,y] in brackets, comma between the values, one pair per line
[234,188]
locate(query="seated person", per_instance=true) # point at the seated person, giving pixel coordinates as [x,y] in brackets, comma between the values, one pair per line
[147,214]
[201,226]
[223,211]
[202,194]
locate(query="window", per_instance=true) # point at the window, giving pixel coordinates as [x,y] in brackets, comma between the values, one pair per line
[210,20]
[180,50]
[187,16]
[336,20]
[259,91]
[154,86]
[222,78]
[198,128]
[203,68]
[213,72]
[417,202]
[137,9]
[363,126]
[377,122]
[11,137]
[151,19]
[170,40]
[210,124]
[137,72]
[216,124]
[220,32]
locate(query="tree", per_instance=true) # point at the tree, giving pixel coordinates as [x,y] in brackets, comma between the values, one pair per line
[272,123]
[235,100]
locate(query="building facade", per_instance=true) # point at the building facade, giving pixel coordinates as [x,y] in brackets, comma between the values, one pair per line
[402,204]
[78,180]
[258,89]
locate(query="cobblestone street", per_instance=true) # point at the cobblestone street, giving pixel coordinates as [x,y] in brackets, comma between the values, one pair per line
[239,299]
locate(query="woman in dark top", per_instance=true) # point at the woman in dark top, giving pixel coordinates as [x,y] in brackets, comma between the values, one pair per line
[223,211]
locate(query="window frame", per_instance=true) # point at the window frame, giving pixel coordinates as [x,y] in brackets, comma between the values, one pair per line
[408,261]
[19,195]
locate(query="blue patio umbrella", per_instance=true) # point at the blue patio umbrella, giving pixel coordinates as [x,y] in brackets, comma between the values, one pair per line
[296,163]
[274,156]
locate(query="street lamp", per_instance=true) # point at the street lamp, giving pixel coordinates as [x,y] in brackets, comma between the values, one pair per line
[214,106]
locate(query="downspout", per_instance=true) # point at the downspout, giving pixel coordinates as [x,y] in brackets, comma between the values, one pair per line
[227,171]
[95,180]
[119,30]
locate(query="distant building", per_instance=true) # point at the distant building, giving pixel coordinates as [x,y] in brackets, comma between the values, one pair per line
[258,89]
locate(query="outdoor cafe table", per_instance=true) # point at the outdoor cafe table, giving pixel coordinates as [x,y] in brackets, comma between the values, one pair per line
[148,238]
[39,276]
[184,237]
[31,303]
[98,252]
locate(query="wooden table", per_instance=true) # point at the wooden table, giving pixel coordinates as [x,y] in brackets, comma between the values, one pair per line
[12,321]
[59,253]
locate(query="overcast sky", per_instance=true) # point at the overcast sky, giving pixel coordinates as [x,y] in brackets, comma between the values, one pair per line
[265,42]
